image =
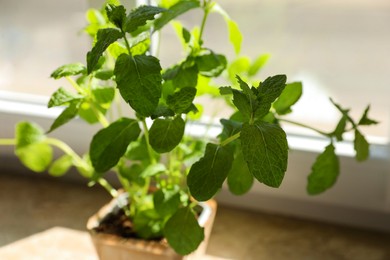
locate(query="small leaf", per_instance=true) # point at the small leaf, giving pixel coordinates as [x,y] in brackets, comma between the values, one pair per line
[30,148]
[104,74]
[116,14]
[66,115]
[265,150]
[61,97]
[162,111]
[110,144]
[139,16]
[105,37]
[207,175]
[211,65]
[325,171]
[69,113]
[61,165]
[258,64]
[239,179]
[290,95]
[183,232]
[166,134]
[365,120]
[166,202]
[153,170]
[68,70]
[181,100]
[103,96]
[361,146]
[139,82]
[174,11]
[340,128]
[230,128]
[237,67]
[269,90]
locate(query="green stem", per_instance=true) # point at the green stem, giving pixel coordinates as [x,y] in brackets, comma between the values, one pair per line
[99,115]
[7,141]
[206,10]
[69,151]
[75,85]
[305,126]
[146,133]
[113,192]
[230,139]
[127,43]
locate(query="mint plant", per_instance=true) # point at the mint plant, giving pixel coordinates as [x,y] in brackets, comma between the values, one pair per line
[156,162]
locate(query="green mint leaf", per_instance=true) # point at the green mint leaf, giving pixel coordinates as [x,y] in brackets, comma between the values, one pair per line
[61,97]
[183,232]
[230,128]
[268,91]
[235,35]
[132,173]
[245,105]
[116,14]
[110,144]
[365,120]
[166,134]
[148,224]
[174,11]
[139,81]
[105,37]
[361,146]
[181,100]
[30,148]
[66,115]
[186,35]
[104,74]
[290,95]
[139,16]
[68,70]
[103,95]
[207,175]
[239,179]
[162,111]
[340,128]
[258,64]
[60,166]
[182,76]
[153,169]
[166,202]
[325,171]
[265,150]
[237,67]
[211,65]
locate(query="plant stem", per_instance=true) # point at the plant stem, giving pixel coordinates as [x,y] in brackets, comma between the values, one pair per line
[146,133]
[75,85]
[113,192]
[7,141]
[99,115]
[305,126]
[127,43]
[206,10]
[66,149]
[230,139]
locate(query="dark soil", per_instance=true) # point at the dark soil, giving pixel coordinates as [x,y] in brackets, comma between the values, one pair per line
[117,223]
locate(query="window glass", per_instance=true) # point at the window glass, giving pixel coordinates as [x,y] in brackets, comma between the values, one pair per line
[337,48]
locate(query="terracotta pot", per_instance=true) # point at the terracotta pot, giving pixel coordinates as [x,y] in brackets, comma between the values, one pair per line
[110,246]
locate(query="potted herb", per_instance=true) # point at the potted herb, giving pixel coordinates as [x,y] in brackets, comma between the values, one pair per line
[164,172]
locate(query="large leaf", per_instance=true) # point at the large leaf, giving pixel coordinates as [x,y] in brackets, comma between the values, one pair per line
[68,70]
[61,97]
[181,100]
[207,175]
[139,82]
[166,202]
[290,95]
[268,91]
[30,148]
[139,16]
[265,150]
[183,232]
[211,65]
[174,11]
[109,144]
[324,172]
[166,134]
[105,37]
[361,146]
[239,179]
